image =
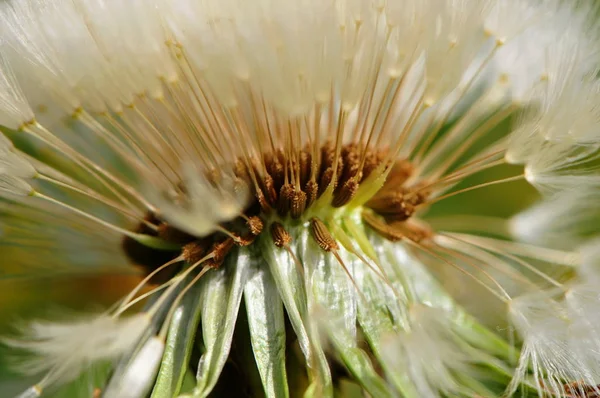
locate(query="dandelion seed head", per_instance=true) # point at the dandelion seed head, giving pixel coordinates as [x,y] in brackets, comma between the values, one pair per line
[310,157]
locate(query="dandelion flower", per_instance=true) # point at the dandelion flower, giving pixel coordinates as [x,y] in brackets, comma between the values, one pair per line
[318,196]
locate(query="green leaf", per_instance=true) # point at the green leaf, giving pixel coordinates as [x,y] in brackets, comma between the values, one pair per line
[267,330]
[220,300]
[332,288]
[290,284]
[379,315]
[182,332]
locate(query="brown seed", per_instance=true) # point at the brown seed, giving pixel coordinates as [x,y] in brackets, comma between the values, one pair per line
[240,170]
[305,166]
[400,171]
[312,190]
[372,161]
[393,205]
[262,202]
[327,155]
[382,228]
[345,193]
[270,191]
[213,176]
[578,389]
[194,251]
[395,231]
[220,251]
[275,167]
[351,162]
[383,201]
[322,236]
[255,224]
[326,179]
[286,194]
[245,240]
[281,237]
[298,203]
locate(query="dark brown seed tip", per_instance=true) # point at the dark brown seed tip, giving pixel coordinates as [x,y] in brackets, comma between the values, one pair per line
[326,179]
[194,251]
[382,228]
[312,189]
[244,240]
[345,193]
[281,237]
[298,203]
[270,191]
[286,194]
[393,205]
[322,236]
[400,171]
[220,250]
[256,225]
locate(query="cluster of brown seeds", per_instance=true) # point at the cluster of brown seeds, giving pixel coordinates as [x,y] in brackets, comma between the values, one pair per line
[287,187]
[291,183]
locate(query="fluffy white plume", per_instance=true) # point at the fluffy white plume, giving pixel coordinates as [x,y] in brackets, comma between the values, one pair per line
[165,84]
[563,221]
[16,165]
[14,109]
[590,260]
[560,341]
[14,186]
[429,352]
[65,349]
[204,205]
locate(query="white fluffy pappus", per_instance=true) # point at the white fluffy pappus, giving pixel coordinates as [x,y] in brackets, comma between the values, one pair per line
[64,349]
[565,220]
[156,104]
[560,341]
[429,352]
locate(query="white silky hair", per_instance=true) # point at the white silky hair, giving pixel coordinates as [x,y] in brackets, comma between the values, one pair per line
[557,135]
[14,108]
[14,186]
[559,166]
[102,57]
[560,340]
[428,352]
[293,61]
[204,205]
[590,260]
[565,220]
[65,349]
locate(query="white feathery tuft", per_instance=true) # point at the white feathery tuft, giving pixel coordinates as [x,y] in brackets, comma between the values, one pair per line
[13,186]
[562,221]
[565,111]
[16,165]
[560,166]
[203,205]
[429,352]
[14,108]
[590,260]
[66,349]
[560,342]
[541,39]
